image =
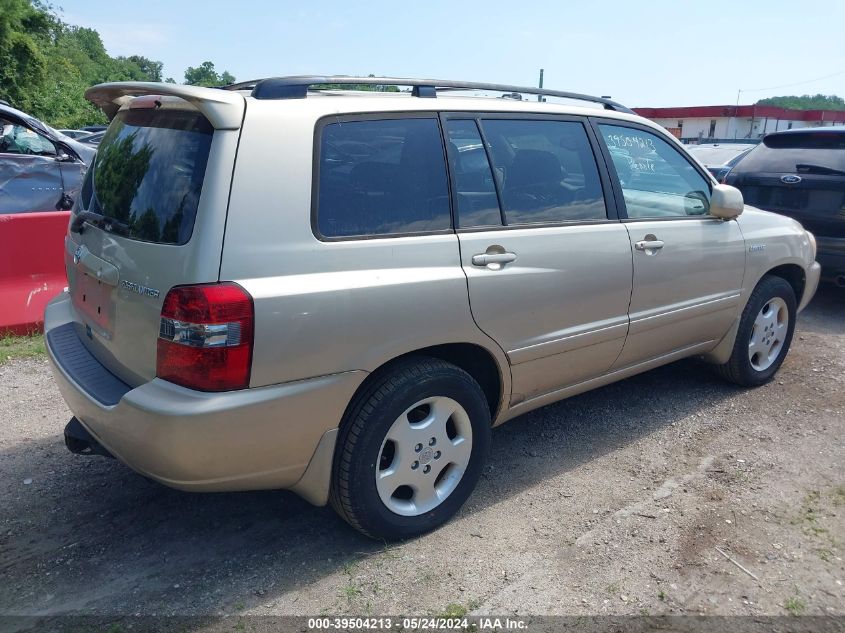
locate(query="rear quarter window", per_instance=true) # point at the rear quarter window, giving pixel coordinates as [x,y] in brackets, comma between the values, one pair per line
[381,177]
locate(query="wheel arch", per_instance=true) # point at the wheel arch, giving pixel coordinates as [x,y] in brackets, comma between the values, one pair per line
[478,361]
[791,272]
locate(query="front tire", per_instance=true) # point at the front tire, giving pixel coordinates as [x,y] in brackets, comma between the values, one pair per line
[764,334]
[411,449]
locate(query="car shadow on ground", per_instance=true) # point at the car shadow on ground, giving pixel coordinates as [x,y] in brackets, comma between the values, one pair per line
[89,536]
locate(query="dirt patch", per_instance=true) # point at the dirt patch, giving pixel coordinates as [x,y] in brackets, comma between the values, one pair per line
[613,502]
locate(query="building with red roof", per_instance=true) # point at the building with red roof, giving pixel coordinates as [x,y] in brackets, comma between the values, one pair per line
[748,122]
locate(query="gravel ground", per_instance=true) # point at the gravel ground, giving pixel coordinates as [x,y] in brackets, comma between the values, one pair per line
[614,502]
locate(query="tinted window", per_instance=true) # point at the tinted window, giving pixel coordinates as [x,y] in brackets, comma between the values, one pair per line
[546,169]
[148,174]
[657,180]
[799,152]
[477,204]
[382,177]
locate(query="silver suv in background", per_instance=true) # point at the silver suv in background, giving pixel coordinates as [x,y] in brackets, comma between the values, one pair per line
[285,285]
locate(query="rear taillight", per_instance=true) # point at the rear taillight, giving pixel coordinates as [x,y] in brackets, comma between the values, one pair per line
[205,337]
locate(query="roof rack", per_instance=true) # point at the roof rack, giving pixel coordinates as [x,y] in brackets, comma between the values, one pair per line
[296,87]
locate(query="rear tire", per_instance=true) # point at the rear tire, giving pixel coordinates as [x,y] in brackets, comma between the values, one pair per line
[764,335]
[411,449]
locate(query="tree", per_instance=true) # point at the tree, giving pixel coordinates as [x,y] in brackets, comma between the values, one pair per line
[206,75]
[22,63]
[141,68]
[806,102]
[363,87]
[46,65]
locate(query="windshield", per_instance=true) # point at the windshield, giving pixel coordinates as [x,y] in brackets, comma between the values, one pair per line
[148,174]
[798,152]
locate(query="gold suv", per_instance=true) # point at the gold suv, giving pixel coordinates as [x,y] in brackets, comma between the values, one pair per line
[286,284]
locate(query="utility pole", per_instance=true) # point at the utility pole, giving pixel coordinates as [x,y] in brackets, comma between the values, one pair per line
[540,97]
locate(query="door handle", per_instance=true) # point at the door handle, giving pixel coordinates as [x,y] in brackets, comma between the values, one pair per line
[485,259]
[649,245]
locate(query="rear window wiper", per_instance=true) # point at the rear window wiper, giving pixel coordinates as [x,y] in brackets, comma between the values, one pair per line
[818,169]
[85,216]
[99,220]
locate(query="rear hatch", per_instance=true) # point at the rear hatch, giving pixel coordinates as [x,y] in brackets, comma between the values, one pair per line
[799,173]
[151,215]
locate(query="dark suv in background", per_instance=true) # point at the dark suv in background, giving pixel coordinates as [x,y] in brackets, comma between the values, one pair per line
[801,173]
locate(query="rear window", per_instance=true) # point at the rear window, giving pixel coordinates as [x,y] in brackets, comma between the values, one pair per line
[382,177]
[798,152]
[148,174]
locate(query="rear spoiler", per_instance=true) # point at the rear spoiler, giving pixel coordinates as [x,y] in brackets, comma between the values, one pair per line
[223,109]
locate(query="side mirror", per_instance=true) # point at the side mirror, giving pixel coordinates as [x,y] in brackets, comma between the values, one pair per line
[726,202]
[63,157]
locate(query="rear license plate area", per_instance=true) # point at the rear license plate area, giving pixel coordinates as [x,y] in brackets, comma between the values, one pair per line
[789,198]
[92,299]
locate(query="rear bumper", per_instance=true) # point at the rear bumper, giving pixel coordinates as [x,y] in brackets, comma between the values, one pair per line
[239,440]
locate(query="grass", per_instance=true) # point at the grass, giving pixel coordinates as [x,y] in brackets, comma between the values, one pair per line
[454,610]
[351,590]
[661,595]
[15,347]
[795,605]
[825,554]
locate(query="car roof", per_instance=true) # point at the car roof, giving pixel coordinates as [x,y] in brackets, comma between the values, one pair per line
[225,107]
[835,129]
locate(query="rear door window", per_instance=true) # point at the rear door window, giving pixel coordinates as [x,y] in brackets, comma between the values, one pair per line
[382,177]
[148,174]
[546,169]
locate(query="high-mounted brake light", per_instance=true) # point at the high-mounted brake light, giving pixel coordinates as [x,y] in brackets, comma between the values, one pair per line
[205,337]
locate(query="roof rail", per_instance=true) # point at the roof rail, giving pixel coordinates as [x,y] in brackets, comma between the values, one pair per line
[296,87]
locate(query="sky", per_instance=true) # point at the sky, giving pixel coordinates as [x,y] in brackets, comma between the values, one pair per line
[648,53]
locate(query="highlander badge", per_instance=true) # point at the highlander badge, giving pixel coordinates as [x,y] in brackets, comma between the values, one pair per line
[141,290]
